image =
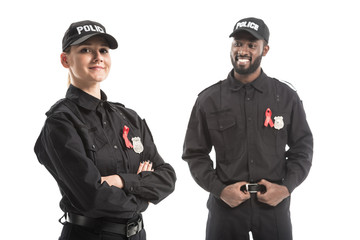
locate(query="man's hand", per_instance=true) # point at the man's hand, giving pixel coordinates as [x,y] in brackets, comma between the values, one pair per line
[233,196]
[274,194]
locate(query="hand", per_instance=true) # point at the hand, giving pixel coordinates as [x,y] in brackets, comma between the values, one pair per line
[145,166]
[233,196]
[113,180]
[274,194]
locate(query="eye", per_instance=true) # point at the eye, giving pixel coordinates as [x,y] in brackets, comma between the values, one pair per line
[85,50]
[104,50]
[237,44]
[252,45]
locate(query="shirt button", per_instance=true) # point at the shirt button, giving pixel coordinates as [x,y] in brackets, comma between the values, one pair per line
[248,99]
[249,118]
[251,161]
[93,146]
[115,146]
[104,123]
[131,189]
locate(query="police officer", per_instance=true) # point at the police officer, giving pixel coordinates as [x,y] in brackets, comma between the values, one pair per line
[263,144]
[101,153]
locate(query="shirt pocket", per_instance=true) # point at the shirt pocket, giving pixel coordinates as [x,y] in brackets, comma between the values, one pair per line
[92,140]
[275,138]
[224,130]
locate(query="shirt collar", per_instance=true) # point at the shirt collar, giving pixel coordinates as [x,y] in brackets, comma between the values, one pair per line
[84,99]
[258,83]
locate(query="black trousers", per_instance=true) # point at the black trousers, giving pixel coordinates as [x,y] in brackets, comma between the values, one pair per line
[265,222]
[75,232]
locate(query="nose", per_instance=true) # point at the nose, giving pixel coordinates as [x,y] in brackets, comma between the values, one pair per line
[243,50]
[98,56]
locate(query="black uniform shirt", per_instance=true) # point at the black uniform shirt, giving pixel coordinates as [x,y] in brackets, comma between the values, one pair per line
[230,117]
[82,140]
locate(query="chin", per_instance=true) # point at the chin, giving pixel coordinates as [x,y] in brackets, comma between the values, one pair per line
[99,79]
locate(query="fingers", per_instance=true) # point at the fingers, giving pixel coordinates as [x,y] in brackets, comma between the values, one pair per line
[145,166]
[233,196]
[140,167]
[149,166]
[265,183]
[113,180]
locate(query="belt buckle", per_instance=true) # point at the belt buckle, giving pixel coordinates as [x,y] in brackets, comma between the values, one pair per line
[251,184]
[133,228]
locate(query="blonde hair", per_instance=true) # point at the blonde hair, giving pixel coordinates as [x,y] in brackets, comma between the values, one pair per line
[69,80]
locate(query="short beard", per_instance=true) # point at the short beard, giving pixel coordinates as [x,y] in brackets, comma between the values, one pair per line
[253,66]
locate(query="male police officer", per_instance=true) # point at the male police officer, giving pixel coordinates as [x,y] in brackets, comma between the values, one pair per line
[263,144]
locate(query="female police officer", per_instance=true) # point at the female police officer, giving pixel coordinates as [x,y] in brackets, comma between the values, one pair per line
[101,154]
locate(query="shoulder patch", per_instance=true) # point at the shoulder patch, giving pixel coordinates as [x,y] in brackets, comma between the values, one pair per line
[219,82]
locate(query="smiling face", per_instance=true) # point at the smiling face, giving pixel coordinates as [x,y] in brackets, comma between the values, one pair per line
[89,63]
[246,54]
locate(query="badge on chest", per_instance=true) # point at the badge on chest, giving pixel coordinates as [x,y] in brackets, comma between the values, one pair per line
[136,141]
[138,147]
[278,120]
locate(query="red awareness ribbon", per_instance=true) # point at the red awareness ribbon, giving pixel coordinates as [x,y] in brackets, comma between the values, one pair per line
[268,119]
[125,136]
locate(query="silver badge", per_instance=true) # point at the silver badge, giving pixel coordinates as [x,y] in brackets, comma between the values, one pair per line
[138,147]
[279,122]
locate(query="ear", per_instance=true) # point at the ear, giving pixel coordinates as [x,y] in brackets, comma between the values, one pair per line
[266,50]
[64,60]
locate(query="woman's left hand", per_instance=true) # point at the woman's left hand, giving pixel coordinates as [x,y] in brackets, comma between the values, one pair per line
[145,166]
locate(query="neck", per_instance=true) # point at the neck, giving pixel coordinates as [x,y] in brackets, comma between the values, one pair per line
[247,78]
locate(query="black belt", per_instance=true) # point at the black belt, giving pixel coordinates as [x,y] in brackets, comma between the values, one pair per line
[129,229]
[253,188]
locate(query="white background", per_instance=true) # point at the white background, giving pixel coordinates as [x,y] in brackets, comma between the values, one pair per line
[168,52]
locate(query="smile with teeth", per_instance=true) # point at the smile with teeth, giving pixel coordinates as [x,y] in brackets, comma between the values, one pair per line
[242,60]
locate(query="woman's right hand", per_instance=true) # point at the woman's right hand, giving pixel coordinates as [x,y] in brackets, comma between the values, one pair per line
[113,180]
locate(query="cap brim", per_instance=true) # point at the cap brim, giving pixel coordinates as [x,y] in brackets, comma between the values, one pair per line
[254,33]
[110,39]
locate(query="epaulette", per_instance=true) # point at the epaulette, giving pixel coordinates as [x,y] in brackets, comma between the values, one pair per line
[55,106]
[288,84]
[117,104]
[209,87]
